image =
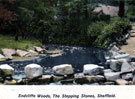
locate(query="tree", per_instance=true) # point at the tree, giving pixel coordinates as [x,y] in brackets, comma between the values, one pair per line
[6,15]
[121,8]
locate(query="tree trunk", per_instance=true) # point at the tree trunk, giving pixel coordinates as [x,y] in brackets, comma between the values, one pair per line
[86,10]
[17,35]
[121,8]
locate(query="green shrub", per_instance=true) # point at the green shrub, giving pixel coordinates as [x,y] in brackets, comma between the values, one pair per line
[94,30]
[117,28]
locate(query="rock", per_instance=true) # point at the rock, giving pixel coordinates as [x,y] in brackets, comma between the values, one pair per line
[22,53]
[121,56]
[67,81]
[115,65]
[1,79]
[33,53]
[64,69]
[57,78]
[39,50]
[115,48]
[107,71]
[91,69]
[85,79]
[21,82]
[33,70]
[127,76]
[42,79]
[6,70]
[121,82]
[112,76]
[109,83]
[55,55]
[126,67]
[2,58]
[132,59]
[9,57]
[8,52]
[13,82]
[130,83]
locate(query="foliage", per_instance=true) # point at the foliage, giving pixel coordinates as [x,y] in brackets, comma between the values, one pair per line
[117,28]
[6,15]
[94,30]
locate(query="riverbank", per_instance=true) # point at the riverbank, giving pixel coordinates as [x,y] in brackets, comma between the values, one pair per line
[23,44]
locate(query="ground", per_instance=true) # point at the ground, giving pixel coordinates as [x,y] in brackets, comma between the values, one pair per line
[130,47]
[9,42]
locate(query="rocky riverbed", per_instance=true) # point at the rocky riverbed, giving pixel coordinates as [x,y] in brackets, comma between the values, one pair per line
[72,65]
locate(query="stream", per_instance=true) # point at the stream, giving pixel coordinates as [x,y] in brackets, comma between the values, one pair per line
[77,56]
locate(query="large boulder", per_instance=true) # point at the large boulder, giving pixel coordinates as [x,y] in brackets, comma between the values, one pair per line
[126,67]
[91,69]
[6,70]
[64,69]
[115,65]
[8,52]
[22,53]
[33,70]
[112,76]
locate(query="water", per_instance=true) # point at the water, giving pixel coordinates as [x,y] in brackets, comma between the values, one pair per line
[77,56]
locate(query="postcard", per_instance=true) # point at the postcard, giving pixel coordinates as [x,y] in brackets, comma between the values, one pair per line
[67,49]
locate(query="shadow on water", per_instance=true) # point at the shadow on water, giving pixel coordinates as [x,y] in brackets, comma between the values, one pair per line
[77,56]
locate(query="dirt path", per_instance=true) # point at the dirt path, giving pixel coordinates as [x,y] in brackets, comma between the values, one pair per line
[130,47]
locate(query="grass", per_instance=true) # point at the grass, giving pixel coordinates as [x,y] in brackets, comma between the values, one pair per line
[9,42]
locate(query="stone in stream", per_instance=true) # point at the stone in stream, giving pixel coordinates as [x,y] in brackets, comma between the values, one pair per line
[121,82]
[33,53]
[22,53]
[80,78]
[39,50]
[33,70]
[6,70]
[41,80]
[91,69]
[57,78]
[64,69]
[67,81]
[112,76]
